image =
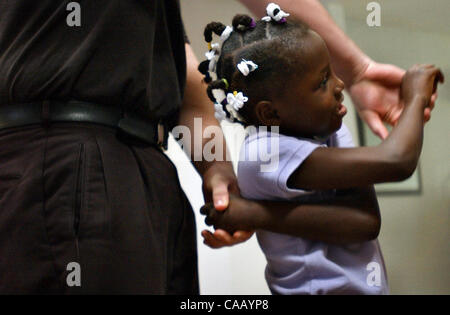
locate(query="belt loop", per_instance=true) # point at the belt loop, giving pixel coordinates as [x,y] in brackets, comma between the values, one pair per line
[45,114]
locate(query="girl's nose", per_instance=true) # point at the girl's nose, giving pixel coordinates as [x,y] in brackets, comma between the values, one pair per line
[339,86]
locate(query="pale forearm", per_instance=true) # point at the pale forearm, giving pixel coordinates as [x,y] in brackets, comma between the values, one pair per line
[347,59]
[197,121]
[197,114]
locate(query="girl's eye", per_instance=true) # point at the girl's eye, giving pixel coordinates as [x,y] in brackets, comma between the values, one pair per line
[324,81]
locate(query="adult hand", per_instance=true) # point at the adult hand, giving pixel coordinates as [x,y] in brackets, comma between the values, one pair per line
[376,96]
[219,181]
[221,238]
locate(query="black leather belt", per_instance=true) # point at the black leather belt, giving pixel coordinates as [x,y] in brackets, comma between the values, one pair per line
[45,112]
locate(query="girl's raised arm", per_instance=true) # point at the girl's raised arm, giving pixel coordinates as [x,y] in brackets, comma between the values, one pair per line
[394,159]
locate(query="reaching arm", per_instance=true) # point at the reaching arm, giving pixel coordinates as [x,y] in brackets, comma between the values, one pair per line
[393,160]
[348,61]
[218,176]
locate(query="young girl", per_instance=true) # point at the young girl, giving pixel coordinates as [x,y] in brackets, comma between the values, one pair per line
[277,73]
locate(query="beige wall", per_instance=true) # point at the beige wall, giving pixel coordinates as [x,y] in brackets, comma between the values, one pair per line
[415,235]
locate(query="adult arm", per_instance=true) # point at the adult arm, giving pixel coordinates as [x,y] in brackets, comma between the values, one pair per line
[218,176]
[347,59]
[373,87]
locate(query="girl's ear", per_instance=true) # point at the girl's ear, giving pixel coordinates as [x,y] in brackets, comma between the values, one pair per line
[266,114]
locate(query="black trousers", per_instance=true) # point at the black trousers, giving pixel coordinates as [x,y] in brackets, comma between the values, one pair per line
[79,193]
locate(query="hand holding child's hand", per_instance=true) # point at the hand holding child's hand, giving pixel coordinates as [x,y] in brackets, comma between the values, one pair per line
[229,220]
[420,81]
[375,94]
[231,224]
[219,181]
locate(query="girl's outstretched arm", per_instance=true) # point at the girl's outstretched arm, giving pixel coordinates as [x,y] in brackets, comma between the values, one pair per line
[394,159]
[351,217]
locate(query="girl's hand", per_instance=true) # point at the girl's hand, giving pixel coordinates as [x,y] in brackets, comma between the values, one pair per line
[420,81]
[231,224]
[219,181]
[230,220]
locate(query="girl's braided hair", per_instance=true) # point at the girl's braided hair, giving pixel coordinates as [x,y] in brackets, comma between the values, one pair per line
[273,46]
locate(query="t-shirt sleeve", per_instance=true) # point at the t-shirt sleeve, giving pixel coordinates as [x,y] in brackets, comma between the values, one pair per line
[267,162]
[343,138]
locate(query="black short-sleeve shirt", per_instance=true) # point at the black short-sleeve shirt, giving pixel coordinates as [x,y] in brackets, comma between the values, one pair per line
[127,53]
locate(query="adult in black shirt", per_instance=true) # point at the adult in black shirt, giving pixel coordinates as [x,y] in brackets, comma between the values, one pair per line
[85,207]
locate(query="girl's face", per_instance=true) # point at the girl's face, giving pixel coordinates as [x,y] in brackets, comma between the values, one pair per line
[311,105]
